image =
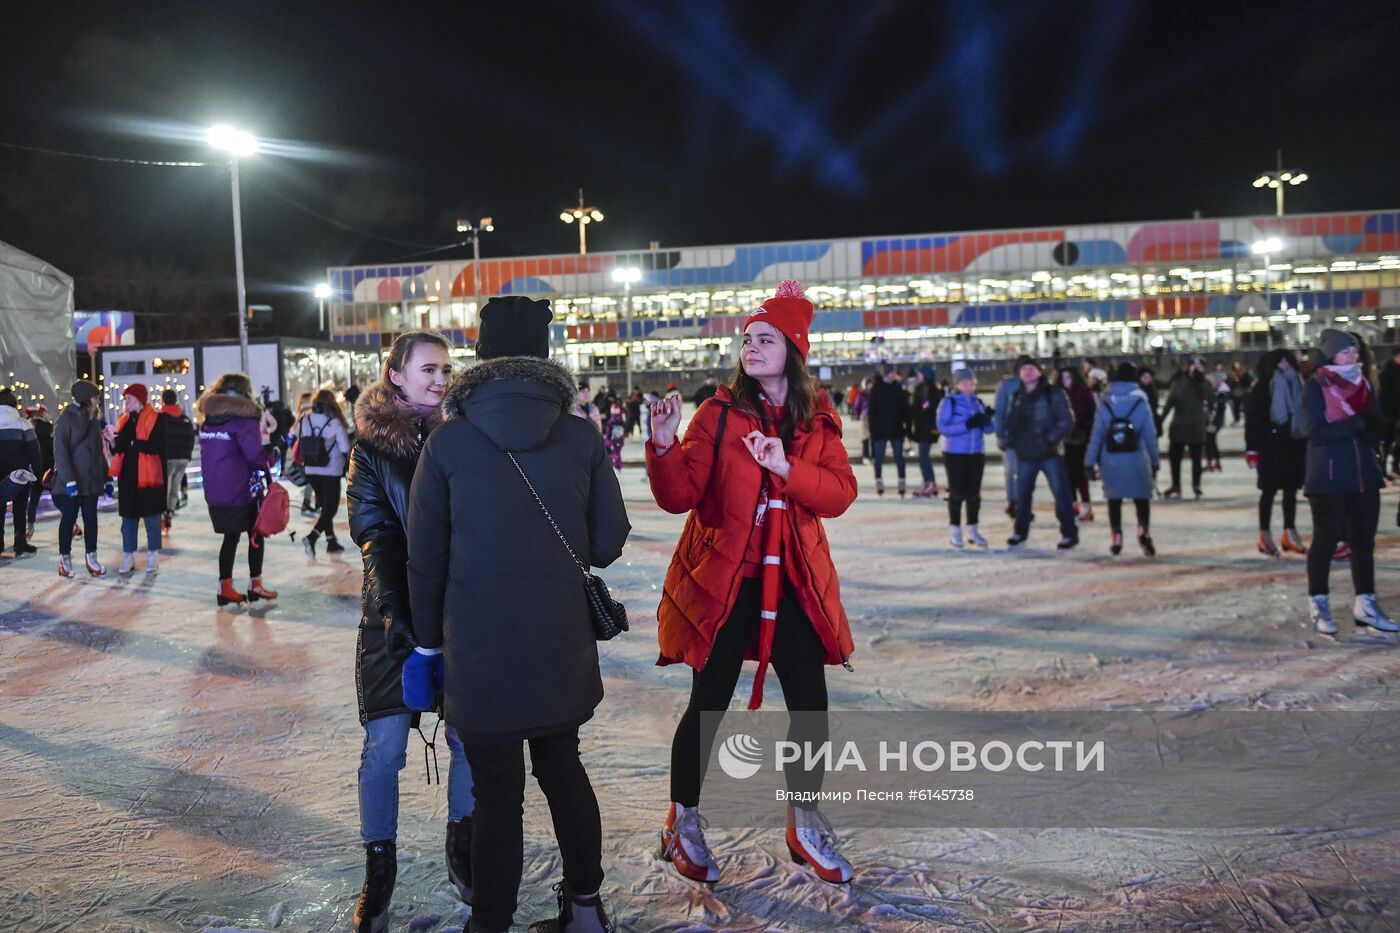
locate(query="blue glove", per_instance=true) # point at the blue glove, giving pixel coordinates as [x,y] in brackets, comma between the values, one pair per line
[108,489]
[70,490]
[422,678]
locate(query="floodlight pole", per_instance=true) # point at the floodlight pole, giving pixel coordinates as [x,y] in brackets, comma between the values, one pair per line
[238,269]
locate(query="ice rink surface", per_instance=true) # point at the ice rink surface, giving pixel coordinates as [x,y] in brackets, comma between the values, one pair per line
[168,766]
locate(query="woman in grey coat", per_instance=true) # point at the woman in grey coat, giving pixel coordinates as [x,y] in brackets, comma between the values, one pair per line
[80,474]
[1124,446]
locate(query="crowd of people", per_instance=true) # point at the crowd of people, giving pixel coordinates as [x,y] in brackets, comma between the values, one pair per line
[480,500]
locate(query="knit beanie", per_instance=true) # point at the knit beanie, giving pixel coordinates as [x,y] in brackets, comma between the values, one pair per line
[84,391]
[1024,360]
[137,391]
[1126,372]
[514,325]
[1331,342]
[790,312]
[930,374]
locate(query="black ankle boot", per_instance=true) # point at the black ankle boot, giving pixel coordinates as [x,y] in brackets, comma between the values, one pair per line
[590,914]
[459,857]
[381,868]
[333,546]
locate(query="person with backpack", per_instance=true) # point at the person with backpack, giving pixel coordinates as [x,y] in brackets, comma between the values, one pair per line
[964,423]
[1342,418]
[179,449]
[1123,445]
[235,450]
[138,466]
[322,445]
[1036,427]
[748,583]
[499,613]
[80,474]
[1276,446]
[395,415]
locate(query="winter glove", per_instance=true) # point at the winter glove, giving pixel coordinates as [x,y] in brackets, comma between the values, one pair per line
[1251,459]
[398,637]
[977,421]
[422,678]
[109,490]
[70,490]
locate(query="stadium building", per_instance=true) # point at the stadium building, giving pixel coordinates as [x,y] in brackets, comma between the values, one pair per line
[1160,287]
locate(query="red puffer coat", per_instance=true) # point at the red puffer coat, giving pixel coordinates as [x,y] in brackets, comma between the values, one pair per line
[722,495]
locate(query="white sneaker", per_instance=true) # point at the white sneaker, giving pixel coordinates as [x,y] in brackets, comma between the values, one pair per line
[955,536]
[683,844]
[128,563]
[1321,614]
[1366,611]
[152,563]
[812,842]
[975,537]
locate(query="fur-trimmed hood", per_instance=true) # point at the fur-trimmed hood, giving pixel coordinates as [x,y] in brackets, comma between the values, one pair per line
[386,423]
[514,400]
[218,407]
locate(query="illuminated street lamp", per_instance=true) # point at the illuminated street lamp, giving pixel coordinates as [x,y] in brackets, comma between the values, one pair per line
[583,215]
[1279,179]
[628,276]
[476,229]
[239,145]
[323,291]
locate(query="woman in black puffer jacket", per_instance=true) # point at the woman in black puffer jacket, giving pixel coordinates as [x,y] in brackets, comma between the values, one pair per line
[394,416]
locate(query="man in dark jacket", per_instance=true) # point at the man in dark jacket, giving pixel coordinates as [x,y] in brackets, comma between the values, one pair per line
[496,595]
[179,449]
[1190,396]
[19,450]
[889,423]
[1037,422]
[1389,390]
[43,432]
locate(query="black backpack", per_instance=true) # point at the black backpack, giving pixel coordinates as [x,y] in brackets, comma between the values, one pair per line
[312,447]
[1122,435]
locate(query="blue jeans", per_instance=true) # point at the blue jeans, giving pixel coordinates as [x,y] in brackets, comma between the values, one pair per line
[384,755]
[68,508]
[129,528]
[926,462]
[1057,476]
[897,450]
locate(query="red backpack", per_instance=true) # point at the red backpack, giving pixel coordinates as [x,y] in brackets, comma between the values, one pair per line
[273,514]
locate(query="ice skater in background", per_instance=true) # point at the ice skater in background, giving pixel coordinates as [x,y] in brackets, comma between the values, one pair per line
[1123,445]
[923,424]
[964,423]
[1277,446]
[615,434]
[1216,409]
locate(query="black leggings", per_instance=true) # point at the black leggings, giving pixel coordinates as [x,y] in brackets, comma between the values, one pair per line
[799,661]
[1290,508]
[964,485]
[1115,514]
[229,550]
[498,846]
[1078,476]
[1175,452]
[328,498]
[1352,518]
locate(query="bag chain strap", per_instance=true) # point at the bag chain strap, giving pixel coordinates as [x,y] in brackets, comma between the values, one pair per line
[540,503]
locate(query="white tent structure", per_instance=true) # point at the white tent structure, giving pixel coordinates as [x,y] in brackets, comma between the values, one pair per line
[36,328]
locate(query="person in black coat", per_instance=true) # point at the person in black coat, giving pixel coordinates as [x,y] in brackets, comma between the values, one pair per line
[499,611]
[394,415]
[140,443]
[923,424]
[1276,445]
[1389,390]
[889,423]
[179,450]
[43,433]
[19,450]
[1189,396]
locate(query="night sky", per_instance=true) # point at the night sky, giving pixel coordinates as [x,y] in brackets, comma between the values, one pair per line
[690,123]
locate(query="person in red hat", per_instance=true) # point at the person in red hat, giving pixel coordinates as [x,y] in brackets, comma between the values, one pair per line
[761,464]
[138,466]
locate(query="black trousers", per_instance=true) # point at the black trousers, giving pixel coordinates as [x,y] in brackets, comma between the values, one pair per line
[1352,518]
[1266,508]
[799,661]
[498,841]
[229,550]
[1175,452]
[1115,514]
[328,498]
[1078,476]
[1212,447]
[19,506]
[964,485]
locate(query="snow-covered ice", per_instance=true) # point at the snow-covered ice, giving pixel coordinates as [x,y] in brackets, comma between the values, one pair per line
[167,766]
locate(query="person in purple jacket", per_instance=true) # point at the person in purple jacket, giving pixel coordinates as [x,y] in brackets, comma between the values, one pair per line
[964,422]
[233,447]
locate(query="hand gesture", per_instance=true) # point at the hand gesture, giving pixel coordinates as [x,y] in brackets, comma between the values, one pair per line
[267,426]
[769,453]
[665,419]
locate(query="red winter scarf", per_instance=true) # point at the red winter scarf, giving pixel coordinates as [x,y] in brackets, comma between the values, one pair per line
[1344,398]
[775,530]
[150,474]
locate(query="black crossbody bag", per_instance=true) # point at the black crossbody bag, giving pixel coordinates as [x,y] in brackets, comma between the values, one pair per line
[608,615]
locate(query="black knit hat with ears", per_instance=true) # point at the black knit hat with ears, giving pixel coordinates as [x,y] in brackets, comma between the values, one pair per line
[513,325]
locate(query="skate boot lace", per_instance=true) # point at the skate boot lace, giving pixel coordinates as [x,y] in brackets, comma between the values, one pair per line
[691,826]
[826,834]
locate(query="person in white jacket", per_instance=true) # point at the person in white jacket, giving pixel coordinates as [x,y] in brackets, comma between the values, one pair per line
[322,439]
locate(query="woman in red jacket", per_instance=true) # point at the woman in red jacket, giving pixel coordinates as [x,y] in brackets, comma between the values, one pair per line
[760,466]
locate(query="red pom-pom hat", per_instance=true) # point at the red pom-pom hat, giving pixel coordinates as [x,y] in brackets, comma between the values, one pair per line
[790,312]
